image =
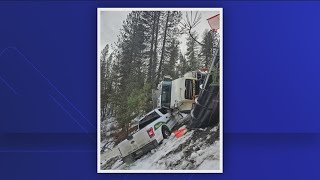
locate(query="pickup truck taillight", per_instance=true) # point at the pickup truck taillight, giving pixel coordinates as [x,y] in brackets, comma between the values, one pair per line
[150,132]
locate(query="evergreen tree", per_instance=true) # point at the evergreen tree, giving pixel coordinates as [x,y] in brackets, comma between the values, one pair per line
[169,67]
[103,81]
[150,20]
[155,51]
[183,65]
[131,51]
[147,48]
[206,52]
[192,52]
[115,80]
[170,32]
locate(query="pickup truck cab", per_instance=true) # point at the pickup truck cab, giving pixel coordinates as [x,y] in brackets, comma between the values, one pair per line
[153,128]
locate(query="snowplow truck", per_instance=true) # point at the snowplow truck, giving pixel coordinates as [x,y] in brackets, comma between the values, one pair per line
[206,109]
[180,93]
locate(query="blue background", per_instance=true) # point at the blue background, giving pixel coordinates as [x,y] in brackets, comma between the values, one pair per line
[48,89]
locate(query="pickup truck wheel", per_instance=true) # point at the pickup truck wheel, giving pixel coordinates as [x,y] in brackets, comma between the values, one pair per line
[165,132]
[128,159]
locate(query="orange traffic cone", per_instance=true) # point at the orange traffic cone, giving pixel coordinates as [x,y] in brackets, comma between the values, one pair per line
[180,132]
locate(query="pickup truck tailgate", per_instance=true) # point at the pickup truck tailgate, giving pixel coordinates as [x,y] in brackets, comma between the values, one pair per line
[139,139]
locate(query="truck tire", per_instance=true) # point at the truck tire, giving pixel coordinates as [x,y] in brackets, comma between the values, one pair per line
[165,132]
[128,159]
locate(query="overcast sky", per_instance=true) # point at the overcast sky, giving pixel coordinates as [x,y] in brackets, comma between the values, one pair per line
[111,23]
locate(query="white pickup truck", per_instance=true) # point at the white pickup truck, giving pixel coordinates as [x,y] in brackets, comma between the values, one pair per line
[153,128]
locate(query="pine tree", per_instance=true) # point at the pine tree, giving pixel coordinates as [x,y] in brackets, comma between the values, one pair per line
[115,80]
[169,67]
[103,81]
[155,51]
[150,21]
[206,52]
[192,52]
[170,32]
[163,47]
[147,48]
[183,65]
[132,48]
[109,83]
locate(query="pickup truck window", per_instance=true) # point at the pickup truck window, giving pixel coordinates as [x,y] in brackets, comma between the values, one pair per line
[148,119]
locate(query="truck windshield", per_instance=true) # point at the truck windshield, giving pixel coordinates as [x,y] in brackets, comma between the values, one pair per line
[166,94]
[148,119]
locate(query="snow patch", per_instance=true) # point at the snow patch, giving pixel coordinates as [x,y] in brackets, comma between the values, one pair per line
[196,149]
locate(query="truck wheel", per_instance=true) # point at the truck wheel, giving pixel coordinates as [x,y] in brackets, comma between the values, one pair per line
[166,132]
[128,159]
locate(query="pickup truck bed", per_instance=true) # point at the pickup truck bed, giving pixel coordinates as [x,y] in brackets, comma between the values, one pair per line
[153,128]
[141,151]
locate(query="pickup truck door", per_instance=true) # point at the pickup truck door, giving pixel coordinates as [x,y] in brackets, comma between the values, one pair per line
[168,119]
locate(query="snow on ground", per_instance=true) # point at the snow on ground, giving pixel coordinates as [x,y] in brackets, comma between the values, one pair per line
[158,158]
[106,157]
[197,149]
[109,126]
[209,165]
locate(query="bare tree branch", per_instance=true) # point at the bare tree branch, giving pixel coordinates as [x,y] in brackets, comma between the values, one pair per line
[189,24]
[190,34]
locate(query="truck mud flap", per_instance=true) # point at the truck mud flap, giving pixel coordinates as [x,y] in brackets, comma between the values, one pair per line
[205,112]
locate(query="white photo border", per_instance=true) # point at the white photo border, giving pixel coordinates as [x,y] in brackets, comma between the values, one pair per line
[220,10]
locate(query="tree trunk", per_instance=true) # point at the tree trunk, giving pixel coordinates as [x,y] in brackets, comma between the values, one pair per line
[163,48]
[151,49]
[154,66]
